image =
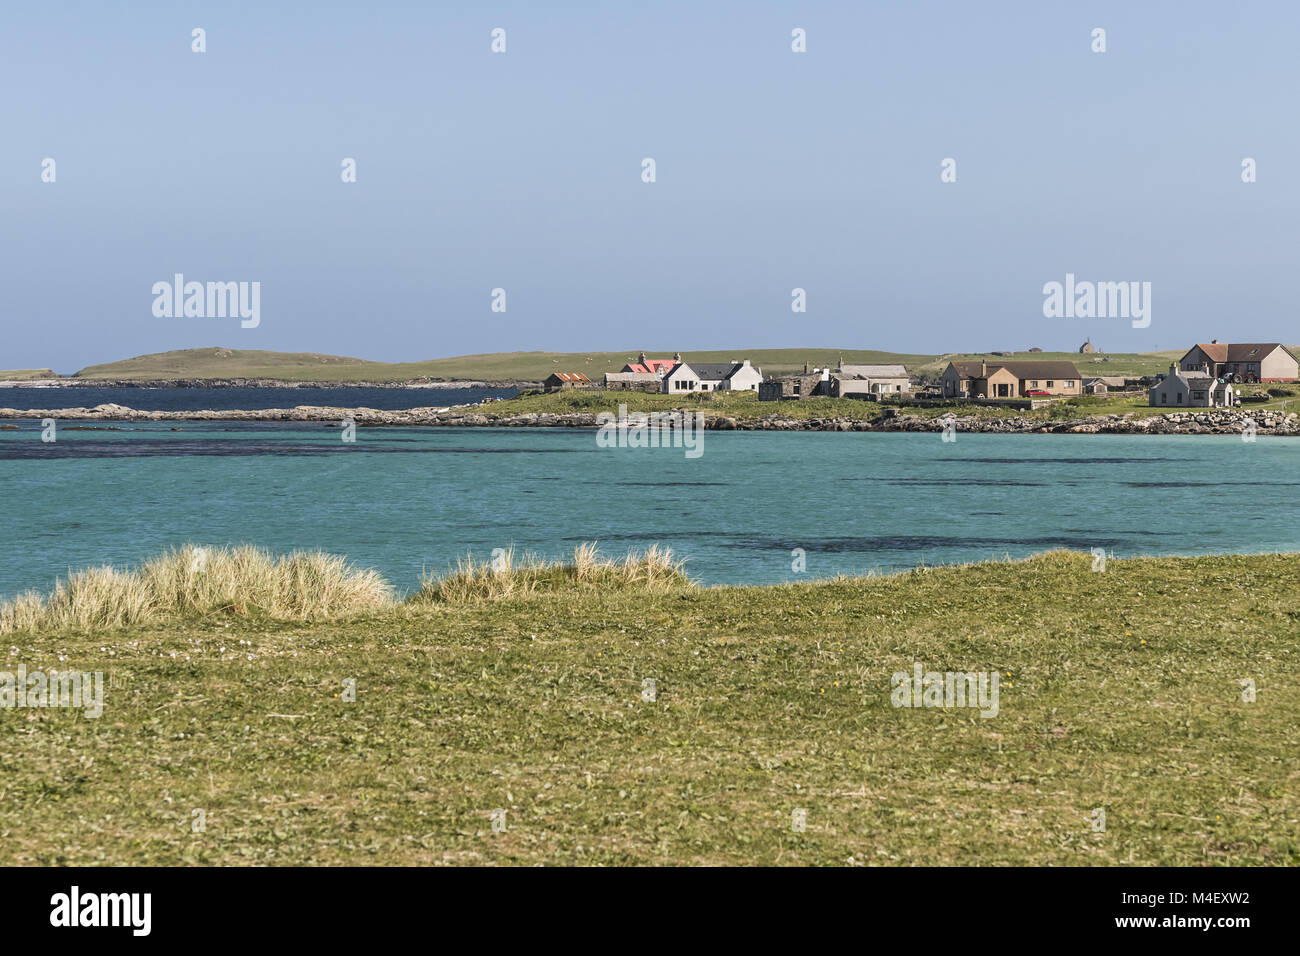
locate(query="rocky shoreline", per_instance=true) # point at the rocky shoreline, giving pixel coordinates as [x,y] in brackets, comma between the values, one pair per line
[1191,422]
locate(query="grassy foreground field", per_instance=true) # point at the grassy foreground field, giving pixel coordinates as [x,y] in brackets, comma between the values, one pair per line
[535,366]
[1120,690]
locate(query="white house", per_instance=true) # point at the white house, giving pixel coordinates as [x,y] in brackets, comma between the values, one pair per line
[712,377]
[1190,390]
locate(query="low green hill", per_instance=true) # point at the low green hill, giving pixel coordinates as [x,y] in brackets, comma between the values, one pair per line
[27,374]
[534,366]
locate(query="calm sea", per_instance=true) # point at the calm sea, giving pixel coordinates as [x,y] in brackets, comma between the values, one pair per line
[194,399]
[405,499]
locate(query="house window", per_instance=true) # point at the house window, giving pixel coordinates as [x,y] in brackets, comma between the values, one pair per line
[1033,384]
[1180,398]
[1049,383]
[1164,399]
[1069,384]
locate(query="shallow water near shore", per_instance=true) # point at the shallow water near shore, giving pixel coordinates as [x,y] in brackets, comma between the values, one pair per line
[405,499]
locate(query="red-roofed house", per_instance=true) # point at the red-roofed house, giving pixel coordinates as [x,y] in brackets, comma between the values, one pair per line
[558,380]
[651,366]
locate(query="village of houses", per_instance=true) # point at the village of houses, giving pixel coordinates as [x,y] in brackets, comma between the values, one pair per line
[1207,376]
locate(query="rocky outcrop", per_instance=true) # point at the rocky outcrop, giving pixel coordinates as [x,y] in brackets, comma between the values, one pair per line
[1205,422]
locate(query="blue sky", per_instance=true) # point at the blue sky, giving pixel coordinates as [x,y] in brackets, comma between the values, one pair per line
[522,170]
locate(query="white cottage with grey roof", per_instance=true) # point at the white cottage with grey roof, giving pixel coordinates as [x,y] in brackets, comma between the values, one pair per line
[687,377]
[1190,390]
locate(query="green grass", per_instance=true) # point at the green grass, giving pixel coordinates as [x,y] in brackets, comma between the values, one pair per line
[27,374]
[743,406]
[1121,690]
[535,366]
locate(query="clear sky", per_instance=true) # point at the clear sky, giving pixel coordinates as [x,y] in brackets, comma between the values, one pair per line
[522,171]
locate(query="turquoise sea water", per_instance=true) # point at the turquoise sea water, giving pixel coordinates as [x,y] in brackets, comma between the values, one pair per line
[405,499]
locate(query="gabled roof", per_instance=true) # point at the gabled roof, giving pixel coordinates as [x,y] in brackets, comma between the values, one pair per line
[711,371]
[650,365]
[1238,351]
[1190,378]
[569,376]
[1032,370]
[874,371]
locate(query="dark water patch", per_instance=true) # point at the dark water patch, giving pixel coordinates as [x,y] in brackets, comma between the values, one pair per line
[946,543]
[939,482]
[242,398]
[1084,541]
[645,538]
[1210,484]
[1084,460]
[671,484]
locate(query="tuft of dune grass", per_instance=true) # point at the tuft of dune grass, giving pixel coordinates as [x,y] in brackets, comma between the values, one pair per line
[510,576]
[190,580]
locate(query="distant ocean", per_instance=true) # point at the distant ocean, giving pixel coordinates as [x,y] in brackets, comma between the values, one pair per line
[406,499]
[195,399]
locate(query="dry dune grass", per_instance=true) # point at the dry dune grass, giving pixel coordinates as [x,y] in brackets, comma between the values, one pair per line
[511,576]
[246,581]
[192,580]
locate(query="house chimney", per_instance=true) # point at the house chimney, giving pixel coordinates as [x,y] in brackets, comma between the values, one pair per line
[805,367]
[1214,341]
[677,356]
[641,358]
[984,369]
